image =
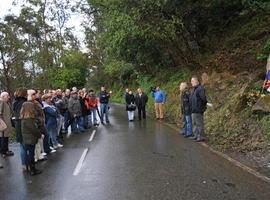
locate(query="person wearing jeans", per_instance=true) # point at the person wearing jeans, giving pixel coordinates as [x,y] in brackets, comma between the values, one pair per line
[30,134]
[104,97]
[51,120]
[20,98]
[198,107]
[185,110]
[92,105]
[75,110]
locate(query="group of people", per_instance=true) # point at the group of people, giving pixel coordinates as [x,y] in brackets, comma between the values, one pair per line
[193,105]
[140,99]
[41,118]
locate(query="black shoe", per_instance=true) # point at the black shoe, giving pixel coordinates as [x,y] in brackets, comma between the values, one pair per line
[1,166]
[34,171]
[187,136]
[194,138]
[9,153]
[43,159]
[199,140]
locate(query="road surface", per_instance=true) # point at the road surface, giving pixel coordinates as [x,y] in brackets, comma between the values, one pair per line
[141,160]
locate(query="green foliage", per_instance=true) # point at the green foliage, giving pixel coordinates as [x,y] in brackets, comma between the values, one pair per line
[257,5]
[67,78]
[265,123]
[74,71]
[265,51]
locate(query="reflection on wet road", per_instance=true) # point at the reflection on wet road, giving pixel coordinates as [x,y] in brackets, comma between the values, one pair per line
[139,160]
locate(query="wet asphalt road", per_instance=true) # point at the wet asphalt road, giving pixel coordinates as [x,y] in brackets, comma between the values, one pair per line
[131,161]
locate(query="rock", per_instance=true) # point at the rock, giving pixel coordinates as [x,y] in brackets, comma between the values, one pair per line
[241,99]
[263,104]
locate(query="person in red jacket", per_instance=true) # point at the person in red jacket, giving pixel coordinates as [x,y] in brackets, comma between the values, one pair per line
[93,106]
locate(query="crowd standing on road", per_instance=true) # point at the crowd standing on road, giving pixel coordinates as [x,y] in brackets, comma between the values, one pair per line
[41,119]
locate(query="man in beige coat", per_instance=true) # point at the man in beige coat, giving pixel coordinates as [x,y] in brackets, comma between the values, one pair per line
[5,115]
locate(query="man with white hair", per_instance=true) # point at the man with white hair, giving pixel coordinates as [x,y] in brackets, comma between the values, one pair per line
[5,115]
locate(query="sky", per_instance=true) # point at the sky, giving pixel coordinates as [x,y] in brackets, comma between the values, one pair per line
[6,7]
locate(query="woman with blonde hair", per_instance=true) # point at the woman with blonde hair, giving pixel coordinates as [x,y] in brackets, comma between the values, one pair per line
[185,110]
[31,134]
[39,115]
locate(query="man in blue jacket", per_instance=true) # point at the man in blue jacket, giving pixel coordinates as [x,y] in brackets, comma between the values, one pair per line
[159,98]
[198,107]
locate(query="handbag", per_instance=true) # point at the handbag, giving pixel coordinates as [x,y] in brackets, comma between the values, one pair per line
[132,107]
[3,125]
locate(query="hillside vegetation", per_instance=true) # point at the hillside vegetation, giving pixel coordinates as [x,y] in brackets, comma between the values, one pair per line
[146,43]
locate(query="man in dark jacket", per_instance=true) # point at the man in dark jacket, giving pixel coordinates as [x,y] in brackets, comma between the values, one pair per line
[67,120]
[75,110]
[104,97]
[20,98]
[198,107]
[141,100]
[185,110]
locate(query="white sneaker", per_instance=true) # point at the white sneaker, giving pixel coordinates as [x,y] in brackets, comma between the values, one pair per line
[41,157]
[51,148]
[60,145]
[44,154]
[53,151]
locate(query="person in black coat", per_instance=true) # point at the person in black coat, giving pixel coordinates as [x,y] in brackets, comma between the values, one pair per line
[20,98]
[104,98]
[130,105]
[198,107]
[141,100]
[185,110]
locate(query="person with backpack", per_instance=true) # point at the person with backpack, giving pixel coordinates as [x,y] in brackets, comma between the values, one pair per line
[185,110]
[198,107]
[130,105]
